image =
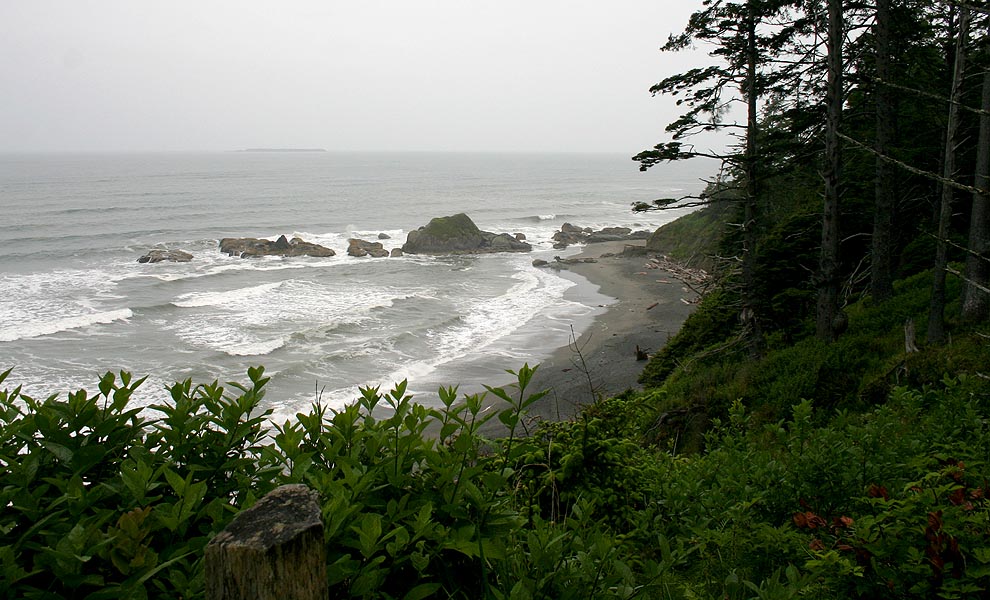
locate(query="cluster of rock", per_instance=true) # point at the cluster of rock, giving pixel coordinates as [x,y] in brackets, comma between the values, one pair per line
[572,234]
[252,247]
[457,234]
[356,247]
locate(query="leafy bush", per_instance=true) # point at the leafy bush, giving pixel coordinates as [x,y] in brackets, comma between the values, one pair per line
[106,501]
[801,505]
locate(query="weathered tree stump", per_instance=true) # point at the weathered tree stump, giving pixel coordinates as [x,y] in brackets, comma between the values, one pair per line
[273,550]
[909,343]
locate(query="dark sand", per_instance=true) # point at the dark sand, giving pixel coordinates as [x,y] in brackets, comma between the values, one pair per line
[603,362]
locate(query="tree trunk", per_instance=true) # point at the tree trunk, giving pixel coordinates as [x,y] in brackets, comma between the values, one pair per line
[828,293]
[976,302]
[936,316]
[881,270]
[750,313]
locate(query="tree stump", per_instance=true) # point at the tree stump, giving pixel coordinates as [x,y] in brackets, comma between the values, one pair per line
[273,550]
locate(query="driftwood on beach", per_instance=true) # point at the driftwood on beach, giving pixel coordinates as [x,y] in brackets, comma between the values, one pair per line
[684,274]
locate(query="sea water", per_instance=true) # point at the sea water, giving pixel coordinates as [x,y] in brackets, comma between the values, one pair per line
[75,303]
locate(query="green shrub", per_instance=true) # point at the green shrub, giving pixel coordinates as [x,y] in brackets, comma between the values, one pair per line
[106,501]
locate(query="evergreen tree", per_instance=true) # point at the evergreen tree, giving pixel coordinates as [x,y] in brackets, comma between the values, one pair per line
[748,38]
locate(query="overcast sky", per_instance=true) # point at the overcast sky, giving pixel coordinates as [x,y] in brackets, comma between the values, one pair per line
[444,75]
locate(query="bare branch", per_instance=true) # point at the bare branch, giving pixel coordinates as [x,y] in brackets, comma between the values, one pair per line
[967,280]
[915,170]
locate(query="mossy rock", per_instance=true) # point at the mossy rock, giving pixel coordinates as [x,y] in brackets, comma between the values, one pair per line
[457,234]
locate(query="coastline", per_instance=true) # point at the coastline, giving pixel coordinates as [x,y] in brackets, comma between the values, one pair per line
[649,308]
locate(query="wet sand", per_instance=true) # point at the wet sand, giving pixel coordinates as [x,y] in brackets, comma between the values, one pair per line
[649,308]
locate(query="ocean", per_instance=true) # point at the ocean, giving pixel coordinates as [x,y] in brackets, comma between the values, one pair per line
[75,303]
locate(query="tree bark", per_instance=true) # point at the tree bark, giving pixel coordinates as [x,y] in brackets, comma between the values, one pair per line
[936,316]
[273,550]
[828,293]
[976,302]
[881,270]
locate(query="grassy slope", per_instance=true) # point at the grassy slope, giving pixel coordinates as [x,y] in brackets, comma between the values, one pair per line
[691,239]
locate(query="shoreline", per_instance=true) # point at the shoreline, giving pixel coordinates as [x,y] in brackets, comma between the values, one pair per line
[649,308]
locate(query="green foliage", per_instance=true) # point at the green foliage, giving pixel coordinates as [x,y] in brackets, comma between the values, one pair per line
[797,505]
[104,500]
[703,370]
[451,227]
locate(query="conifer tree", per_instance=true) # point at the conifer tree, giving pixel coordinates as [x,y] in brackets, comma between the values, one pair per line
[747,36]
[881,273]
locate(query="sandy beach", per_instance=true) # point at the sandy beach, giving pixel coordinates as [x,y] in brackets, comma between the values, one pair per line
[650,306]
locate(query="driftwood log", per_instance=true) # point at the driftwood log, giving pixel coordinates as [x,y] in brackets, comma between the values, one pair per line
[272,550]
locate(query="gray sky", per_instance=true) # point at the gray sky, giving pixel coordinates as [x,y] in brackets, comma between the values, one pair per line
[447,75]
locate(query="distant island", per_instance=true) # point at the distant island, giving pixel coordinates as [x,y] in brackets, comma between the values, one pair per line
[282,150]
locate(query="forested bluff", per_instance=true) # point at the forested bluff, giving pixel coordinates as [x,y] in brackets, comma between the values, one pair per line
[820,426]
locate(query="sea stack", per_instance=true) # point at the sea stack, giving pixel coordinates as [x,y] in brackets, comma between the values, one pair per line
[457,234]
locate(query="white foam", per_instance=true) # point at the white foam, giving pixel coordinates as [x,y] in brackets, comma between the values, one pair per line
[484,321]
[40,328]
[259,319]
[224,264]
[256,348]
[47,302]
[238,296]
[340,240]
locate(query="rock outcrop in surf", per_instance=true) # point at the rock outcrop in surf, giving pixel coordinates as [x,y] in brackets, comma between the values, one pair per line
[458,234]
[359,248]
[572,234]
[252,247]
[157,256]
